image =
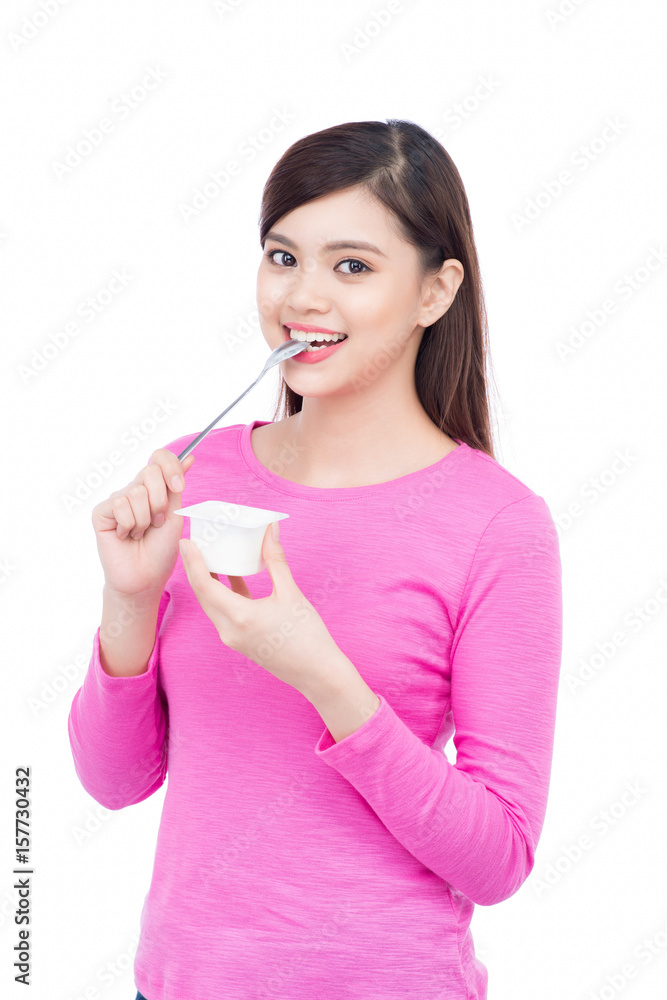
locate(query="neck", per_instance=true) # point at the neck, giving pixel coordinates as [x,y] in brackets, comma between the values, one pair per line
[344,439]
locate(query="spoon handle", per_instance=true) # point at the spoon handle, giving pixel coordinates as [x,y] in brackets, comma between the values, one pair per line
[283,351]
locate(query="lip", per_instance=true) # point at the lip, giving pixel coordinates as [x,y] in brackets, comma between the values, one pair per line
[307,328]
[313,357]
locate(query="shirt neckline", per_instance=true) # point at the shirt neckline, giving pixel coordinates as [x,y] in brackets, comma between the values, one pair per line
[285,486]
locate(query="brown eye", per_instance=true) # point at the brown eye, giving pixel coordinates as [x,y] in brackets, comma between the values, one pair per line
[283,252]
[353,260]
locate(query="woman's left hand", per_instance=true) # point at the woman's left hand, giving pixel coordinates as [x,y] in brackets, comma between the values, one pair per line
[282,632]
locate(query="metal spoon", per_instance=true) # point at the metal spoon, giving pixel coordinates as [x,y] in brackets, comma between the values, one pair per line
[281,353]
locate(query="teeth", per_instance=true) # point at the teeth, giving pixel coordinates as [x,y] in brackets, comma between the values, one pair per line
[310,337]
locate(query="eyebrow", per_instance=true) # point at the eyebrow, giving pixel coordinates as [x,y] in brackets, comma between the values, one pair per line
[345,244]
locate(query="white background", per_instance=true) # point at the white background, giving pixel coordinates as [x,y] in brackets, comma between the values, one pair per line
[185,330]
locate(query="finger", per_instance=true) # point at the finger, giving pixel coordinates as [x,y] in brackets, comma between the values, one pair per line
[157,492]
[197,571]
[137,497]
[239,586]
[276,563]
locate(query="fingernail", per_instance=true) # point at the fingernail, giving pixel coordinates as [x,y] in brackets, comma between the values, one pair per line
[159,520]
[176,484]
[275,531]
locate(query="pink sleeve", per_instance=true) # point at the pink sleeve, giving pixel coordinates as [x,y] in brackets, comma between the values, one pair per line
[476,823]
[117,728]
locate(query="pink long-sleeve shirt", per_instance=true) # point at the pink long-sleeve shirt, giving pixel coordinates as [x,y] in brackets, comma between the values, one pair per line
[288,865]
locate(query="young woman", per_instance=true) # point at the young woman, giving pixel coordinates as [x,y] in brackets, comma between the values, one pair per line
[315,840]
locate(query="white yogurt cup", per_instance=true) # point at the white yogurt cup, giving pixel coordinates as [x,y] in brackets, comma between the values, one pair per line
[230,535]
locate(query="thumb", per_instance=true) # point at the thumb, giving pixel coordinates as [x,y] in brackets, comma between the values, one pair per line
[274,555]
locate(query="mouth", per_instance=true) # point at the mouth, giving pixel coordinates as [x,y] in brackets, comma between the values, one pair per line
[316,347]
[316,340]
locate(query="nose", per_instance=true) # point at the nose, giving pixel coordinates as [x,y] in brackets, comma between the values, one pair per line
[303,291]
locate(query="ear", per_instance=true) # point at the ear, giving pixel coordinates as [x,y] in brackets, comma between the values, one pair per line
[442,291]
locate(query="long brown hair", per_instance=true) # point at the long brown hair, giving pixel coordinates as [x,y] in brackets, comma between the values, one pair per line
[412,174]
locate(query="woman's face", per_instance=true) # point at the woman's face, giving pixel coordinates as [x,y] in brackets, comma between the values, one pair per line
[371,294]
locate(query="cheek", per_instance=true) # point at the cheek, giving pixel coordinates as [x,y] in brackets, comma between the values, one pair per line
[269,296]
[379,305]
[272,290]
[382,343]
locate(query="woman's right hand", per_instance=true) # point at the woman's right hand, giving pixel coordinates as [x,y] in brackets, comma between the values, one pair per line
[136,530]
